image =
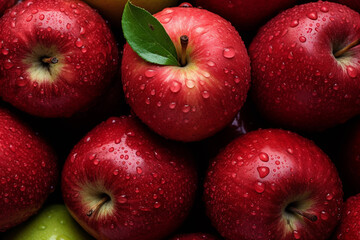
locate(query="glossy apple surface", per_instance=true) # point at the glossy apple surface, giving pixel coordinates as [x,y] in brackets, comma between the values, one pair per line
[297,80]
[52,223]
[194,101]
[56,57]
[121,181]
[348,228]
[244,14]
[273,184]
[112,9]
[28,171]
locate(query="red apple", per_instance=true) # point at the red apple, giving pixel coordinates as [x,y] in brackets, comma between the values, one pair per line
[194,236]
[244,14]
[348,228]
[197,99]
[273,184]
[305,66]
[354,4]
[121,181]
[6,4]
[56,57]
[28,171]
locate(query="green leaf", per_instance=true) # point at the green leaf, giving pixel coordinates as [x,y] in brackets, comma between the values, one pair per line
[147,37]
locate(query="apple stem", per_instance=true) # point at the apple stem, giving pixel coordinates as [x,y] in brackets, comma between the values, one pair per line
[345,49]
[306,215]
[184,43]
[50,60]
[96,207]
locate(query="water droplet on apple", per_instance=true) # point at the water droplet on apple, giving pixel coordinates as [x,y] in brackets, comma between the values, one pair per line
[205,94]
[96,162]
[122,199]
[41,16]
[296,234]
[139,170]
[289,150]
[260,187]
[324,9]
[190,83]
[29,18]
[22,188]
[21,82]
[157,205]
[264,157]
[324,215]
[186,108]
[5,51]
[329,197]
[165,20]
[175,86]
[229,52]
[150,73]
[263,171]
[79,43]
[302,39]
[8,64]
[172,105]
[352,72]
[211,64]
[294,23]
[312,15]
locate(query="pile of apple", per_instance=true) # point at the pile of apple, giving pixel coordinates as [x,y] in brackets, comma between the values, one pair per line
[118,124]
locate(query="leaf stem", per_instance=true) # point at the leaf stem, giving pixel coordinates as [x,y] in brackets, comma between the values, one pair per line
[184,43]
[50,60]
[345,49]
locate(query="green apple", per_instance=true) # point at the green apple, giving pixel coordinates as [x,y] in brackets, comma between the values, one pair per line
[112,9]
[52,223]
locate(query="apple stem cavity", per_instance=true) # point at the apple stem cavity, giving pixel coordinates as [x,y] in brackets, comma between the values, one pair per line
[306,215]
[184,43]
[98,205]
[345,49]
[50,60]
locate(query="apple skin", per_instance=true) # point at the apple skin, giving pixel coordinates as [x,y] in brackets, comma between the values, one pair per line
[348,228]
[296,80]
[252,183]
[6,4]
[194,236]
[52,222]
[112,9]
[68,30]
[354,4]
[151,182]
[246,15]
[28,171]
[192,102]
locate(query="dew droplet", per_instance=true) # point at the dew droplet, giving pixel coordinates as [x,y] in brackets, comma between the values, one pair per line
[172,105]
[352,72]
[79,43]
[139,170]
[229,52]
[190,83]
[122,199]
[205,94]
[294,23]
[157,205]
[175,86]
[324,9]
[302,39]
[296,234]
[263,171]
[264,157]
[150,73]
[312,15]
[259,187]
[324,216]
